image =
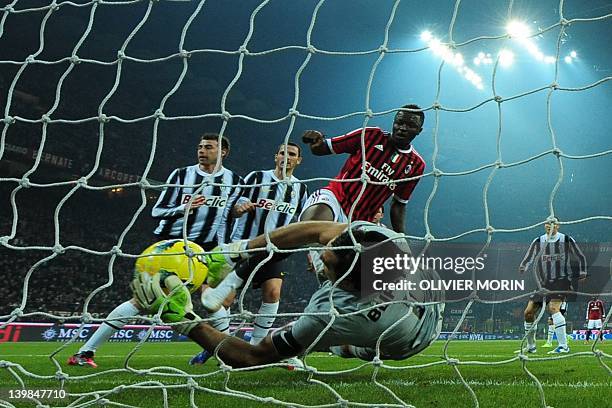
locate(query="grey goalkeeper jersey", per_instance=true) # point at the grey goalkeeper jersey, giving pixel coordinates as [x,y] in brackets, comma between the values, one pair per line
[363,328]
[410,330]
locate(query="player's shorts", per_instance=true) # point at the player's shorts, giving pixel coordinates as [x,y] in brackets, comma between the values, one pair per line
[325,196]
[594,324]
[560,285]
[272,269]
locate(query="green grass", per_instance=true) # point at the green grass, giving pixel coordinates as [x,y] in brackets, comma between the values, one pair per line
[569,382]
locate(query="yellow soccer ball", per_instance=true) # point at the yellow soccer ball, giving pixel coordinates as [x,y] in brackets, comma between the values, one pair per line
[169,257]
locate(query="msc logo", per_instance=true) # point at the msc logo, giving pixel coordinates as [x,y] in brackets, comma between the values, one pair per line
[271,205]
[49,334]
[156,335]
[211,201]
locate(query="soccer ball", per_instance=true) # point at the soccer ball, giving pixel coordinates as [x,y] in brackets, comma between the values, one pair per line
[169,257]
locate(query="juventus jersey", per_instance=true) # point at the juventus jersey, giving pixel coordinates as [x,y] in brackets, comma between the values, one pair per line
[208,223]
[554,262]
[276,204]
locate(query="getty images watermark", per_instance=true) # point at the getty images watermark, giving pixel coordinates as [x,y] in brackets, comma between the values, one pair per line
[410,265]
[452,271]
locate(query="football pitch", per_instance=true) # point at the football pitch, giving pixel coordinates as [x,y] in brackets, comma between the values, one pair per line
[571,381]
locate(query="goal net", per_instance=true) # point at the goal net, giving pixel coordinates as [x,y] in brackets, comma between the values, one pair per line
[101,99]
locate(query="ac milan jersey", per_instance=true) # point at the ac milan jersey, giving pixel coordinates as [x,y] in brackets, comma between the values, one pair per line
[595,310]
[554,257]
[276,204]
[208,223]
[384,163]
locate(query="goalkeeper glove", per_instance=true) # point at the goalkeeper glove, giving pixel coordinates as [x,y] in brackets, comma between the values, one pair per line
[177,307]
[220,265]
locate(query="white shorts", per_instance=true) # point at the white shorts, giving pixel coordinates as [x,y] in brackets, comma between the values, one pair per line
[325,196]
[594,324]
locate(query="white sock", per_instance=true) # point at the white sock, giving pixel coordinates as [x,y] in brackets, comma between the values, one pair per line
[263,324]
[559,322]
[107,329]
[228,285]
[551,331]
[213,298]
[530,336]
[222,321]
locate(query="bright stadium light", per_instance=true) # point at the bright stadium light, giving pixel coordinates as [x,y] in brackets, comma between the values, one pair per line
[568,59]
[520,32]
[573,54]
[458,59]
[426,36]
[517,29]
[455,59]
[506,58]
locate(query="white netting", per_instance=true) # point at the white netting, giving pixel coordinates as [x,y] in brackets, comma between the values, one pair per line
[192,382]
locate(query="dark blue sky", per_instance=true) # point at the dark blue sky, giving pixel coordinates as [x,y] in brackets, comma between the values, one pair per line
[333,85]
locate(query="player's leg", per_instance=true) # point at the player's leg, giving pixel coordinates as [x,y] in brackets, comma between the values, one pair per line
[590,327]
[550,333]
[317,212]
[322,205]
[349,351]
[271,289]
[212,298]
[554,307]
[110,326]
[533,306]
[220,321]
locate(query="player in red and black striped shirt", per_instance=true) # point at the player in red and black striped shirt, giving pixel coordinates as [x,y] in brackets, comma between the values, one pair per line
[595,315]
[390,159]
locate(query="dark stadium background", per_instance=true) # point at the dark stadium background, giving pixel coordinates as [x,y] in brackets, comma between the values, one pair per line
[330,86]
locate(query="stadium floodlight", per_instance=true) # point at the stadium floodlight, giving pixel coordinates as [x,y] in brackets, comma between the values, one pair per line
[573,54]
[520,32]
[455,59]
[568,59]
[458,60]
[506,58]
[518,29]
[426,36]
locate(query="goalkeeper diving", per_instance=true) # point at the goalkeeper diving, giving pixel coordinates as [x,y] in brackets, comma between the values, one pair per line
[359,321]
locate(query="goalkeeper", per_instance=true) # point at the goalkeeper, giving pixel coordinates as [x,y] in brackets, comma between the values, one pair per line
[357,326]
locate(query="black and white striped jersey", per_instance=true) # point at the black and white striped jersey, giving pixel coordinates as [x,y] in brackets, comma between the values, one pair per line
[276,205]
[208,223]
[556,254]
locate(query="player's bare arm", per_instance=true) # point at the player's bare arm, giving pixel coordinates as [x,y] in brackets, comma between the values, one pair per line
[300,233]
[316,140]
[398,216]
[234,351]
